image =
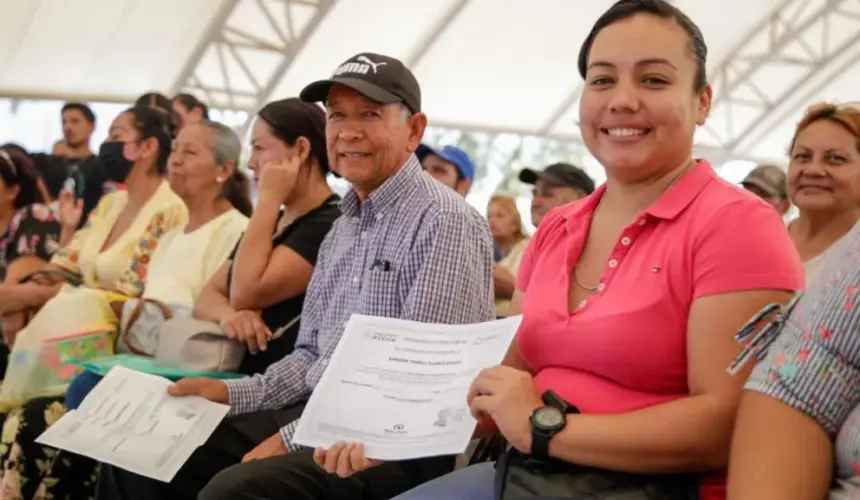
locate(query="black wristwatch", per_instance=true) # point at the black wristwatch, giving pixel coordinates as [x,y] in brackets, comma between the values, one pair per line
[547,421]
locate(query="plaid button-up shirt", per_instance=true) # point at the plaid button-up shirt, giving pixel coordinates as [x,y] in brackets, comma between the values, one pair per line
[413,250]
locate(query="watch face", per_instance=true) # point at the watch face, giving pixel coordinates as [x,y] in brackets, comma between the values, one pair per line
[548,418]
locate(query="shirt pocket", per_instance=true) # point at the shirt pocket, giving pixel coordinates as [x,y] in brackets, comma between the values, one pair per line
[382,293]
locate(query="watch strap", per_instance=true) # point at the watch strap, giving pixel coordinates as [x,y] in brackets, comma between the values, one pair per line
[540,444]
[541,438]
[550,398]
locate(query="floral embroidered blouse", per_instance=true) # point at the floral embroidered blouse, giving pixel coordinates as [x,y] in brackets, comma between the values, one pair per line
[123,266]
[813,364]
[34,230]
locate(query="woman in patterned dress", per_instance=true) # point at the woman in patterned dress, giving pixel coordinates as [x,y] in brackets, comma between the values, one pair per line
[29,228]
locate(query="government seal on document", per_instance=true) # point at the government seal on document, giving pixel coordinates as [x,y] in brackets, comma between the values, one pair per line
[449,416]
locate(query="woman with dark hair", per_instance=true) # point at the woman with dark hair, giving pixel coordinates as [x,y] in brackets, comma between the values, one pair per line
[155,100]
[113,250]
[201,167]
[189,110]
[31,230]
[11,146]
[160,101]
[616,384]
[257,295]
[27,157]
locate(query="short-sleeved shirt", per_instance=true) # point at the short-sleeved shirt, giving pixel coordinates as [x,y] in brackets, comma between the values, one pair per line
[814,363]
[625,348]
[34,230]
[304,236]
[814,265]
[184,261]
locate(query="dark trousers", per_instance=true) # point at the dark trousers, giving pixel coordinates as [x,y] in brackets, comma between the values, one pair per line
[231,440]
[215,469]
[295,476]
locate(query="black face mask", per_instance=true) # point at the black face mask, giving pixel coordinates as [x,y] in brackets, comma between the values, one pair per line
[116,165]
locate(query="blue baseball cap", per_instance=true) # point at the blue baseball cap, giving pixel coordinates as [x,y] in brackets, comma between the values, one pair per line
[451,154]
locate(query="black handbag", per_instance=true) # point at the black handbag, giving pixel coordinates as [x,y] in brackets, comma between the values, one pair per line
[519,477]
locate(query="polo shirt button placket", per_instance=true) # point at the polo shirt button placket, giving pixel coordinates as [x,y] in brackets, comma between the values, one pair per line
[625,241]
[613,263]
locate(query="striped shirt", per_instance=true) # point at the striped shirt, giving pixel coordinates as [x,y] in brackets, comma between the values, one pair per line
[813,364]
[414,249]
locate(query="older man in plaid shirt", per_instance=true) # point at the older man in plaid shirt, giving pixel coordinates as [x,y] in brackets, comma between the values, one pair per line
[406,247]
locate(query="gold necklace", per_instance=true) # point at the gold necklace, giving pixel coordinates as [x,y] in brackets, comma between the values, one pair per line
[600,203]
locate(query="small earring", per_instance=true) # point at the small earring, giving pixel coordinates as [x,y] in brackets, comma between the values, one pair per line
[219,179]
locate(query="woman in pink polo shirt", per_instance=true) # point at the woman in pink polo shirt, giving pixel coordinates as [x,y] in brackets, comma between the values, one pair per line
[631,297]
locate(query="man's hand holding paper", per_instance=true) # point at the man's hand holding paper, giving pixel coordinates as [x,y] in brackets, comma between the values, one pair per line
[206,388]
[129,420]
[399,388]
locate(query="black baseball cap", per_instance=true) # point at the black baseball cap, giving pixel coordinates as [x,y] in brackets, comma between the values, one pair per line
[560,174]
[379,78]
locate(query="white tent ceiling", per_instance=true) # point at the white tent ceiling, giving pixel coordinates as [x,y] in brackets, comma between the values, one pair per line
[484,65]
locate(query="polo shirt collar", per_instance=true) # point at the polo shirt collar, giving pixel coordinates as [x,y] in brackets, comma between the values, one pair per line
[683,192]
[396,188]
[667,207]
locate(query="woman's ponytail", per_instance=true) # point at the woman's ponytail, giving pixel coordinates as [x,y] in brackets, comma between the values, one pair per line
[237,190]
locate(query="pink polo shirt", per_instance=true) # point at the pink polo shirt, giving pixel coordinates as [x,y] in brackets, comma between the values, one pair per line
[625,347]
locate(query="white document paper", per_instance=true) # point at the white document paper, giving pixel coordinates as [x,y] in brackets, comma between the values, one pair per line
[128,420]
[399,387]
